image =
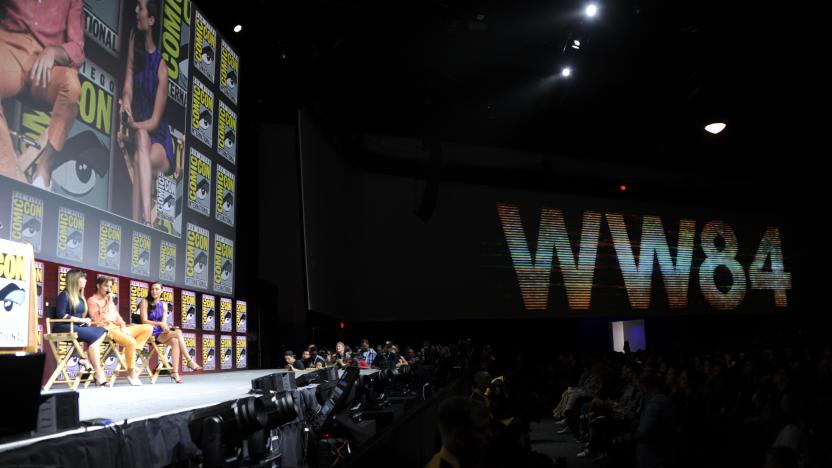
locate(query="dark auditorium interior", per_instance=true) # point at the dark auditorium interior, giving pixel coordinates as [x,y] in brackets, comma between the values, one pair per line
[436,233]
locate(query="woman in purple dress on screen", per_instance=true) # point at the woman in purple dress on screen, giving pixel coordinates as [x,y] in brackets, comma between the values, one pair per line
[154,312]
[144,133]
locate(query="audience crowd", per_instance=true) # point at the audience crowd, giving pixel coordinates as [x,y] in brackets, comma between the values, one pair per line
[762,408]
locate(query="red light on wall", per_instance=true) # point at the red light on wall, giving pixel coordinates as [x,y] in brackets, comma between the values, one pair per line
[623,188]
[342,325]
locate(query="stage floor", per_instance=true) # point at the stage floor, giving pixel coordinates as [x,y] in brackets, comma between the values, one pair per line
[126,402]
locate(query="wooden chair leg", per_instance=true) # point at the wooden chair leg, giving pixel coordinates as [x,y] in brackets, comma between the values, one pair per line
[60,366]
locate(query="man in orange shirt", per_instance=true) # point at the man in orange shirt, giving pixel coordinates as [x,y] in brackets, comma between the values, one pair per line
[104,314]
[41,49]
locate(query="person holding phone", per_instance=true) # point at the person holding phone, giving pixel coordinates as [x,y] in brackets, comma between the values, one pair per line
[154,311]
[104,313]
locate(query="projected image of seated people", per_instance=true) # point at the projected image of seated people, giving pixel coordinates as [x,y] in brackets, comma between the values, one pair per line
[144,134]
[41,49]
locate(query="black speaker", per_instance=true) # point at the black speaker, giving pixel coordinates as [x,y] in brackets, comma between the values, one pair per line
[58,412]
[22,394]
[277,382]
[327,374]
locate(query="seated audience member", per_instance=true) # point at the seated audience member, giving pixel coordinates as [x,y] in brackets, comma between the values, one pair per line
[410,356]
[316,361]
[588,385]
[654,435]
[482,379]
[293,364]
[425,354]
[366,355]
[328,356]
[389,358]
[306,358]
[341,355]
[781,457]
[131,337]
[464,426]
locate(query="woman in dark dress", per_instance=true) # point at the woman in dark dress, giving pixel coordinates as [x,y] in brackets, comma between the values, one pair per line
[154,312]
[144,129]
[72,305]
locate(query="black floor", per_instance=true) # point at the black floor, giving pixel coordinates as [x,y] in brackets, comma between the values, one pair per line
[546,440]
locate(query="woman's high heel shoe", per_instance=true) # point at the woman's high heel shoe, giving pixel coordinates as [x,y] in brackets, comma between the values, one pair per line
[175,377]
[194,366]
[102,381]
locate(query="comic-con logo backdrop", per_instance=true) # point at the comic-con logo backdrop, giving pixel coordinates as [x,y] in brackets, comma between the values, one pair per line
[74,183]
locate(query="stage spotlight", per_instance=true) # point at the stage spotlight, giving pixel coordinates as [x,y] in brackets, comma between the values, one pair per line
[219,430]
[238,28]
[280,409]
[715,127]
[228,422]
[566,72]
[591,10]
[576,44]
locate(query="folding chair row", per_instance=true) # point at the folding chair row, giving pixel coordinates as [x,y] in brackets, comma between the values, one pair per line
[71,368]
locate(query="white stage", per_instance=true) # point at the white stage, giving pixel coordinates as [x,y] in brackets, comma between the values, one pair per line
[124,401]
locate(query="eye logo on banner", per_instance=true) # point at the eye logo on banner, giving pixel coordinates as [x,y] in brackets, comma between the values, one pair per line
[188,310]
[205,46]
[176,38]
[70,234]
[16,284]
[196,257]
[39,282]
[138,291]
[209,352]
[81,170]
[140,260]
[226,187]
[209,312]
[227,352]
[167,261]
[27,220]
[109,362]
[109,245]
[202,112]
[242,352]
[190,345]
[199,183]
[227,133]
[73,366]
[229,71]
[167,298]
[226,315]
[85,176]
[242,316]
[223,264]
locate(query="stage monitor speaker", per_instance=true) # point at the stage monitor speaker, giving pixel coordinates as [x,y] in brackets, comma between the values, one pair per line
[58,412]
[23,394]
[327,374]
[277,382]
